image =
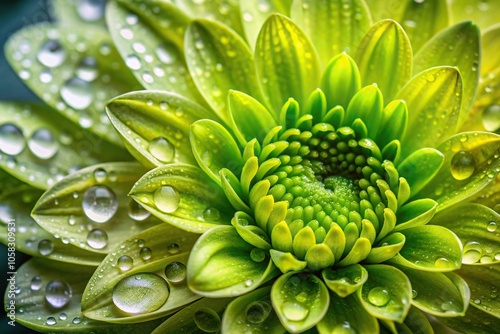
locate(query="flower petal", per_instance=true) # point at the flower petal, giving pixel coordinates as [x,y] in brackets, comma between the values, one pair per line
[286,62]
[300,301]
[333,26]
[458,45]
[476,10]
[433,98]
[386,294]
[420,167]
[183,196]
[430,248]
[221,264]
[394,123]
[415,213]
[346,280]
[384,57]
[367,104]
[439,294]
[415,322]
[474,321]
[476,226]
[386,248]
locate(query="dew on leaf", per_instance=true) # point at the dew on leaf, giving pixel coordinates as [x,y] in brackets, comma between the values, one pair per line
[472,252]
[77,93]
[137,211]
[491,227]
[87,69]
[97,239]
[43,144]
[175,272]
[125,263]
[207,320]
[91,10]
[378,296]
[58,293]
[133,62]
[294,311]
[99,203]
[167,199]
[173,248]
[491,117]
[162,149]
[12,141]
[462,165]
[45,247]
[36,283]
[257,312]
[51,321]
[145,253]
[51,54]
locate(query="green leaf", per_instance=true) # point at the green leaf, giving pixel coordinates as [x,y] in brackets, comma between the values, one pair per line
[476,226]
[439,294]
[202,316]
[471,163]
[219,60]
[40,147]
[474,322]
[394,123]
[90,208]
[481,281]
[300,300]
[73,73]
[221,265]
[415,322]
[458,45]
[344,281]
[477,10]
[430,248]
[158,263]
[79,13]
[43,284]
[252,312]
[333,26]
[420,167]
[384,56]
[184,196]
[415,213]
[433,98]
[286,62]
[386,294]
[367,104]
[347,314]
[214,149]
[156,125]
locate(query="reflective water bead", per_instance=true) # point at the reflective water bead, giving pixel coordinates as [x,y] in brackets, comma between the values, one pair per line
[43,144]
[257,255]
[100,175]
[51,321]
[77,93]
[45,76]
[11,139]
[76,320]
[462,165]
[167,199]
[45,247]
[63,316]
[133,62]
[58,293]
[491,227]
[173,248]
[146,253]
[162,149]
[491,117]
[211,214]
[137,211]
[442,262]
[175,272]
[344,328]
[125,263]
[378,296]
[140,293]
[97,239]
[258,311]
[207,320]
[99,203]
[87,69]
[91,10]
[166,53]
[36,283]
[472,252]
[51,54]
[294,311]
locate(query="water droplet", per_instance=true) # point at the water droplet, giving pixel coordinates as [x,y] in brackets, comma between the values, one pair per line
[207,320]
[173,248]
[166,53]
[167,199]
[11,139]
[45,76]
[162,149]
[58,293]
[462,165]
[378,296]
[45,247]
[126,33]
[211,214]
[258,311]
[140,242]
[486,259]
[132,19]
[137,211]
[491,227]
[146,253]
[97,239]
[87,69]
[36,283]
[51,321]
[414,293]
[76,320]
[91,10]
[140,293]
[99,203]
[133,62]
[77,93]
[472,252]
[125,263]
[43,144]
[63,316]
[51,54]
[491,117]
[257,255]
[175,272]
[442,262]
[247,17]
[100,175]
[294,311]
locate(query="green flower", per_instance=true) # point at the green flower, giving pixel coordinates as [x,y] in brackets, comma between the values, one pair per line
[303,166]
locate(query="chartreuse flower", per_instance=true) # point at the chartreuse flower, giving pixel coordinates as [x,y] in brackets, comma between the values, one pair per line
[325,166]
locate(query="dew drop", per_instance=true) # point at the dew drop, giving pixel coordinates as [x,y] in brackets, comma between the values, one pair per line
[36,283]
[462,165]
[43,144]
[45,247]
[175,272]
[146,253]
[472,252]
[166,53]
[100,175]
[491,117]
[11,139]
[58,293]
[173,248]
[99,203]
[133,62]
[87,69]
[491,227]
[97,239]
[258,311]
[211,214]
[77,93]
[167,199]
[125,263]
[378,296]
[45,76]
[414,293]
[91,10]
[140,293]
[294,311]
[257,255]
[162,149]
[132,19]
[76,320]
[63,316]
[486,259]
[137,211]
[51,54]
[207,320]
[126,33]
[51,321]
[442,262]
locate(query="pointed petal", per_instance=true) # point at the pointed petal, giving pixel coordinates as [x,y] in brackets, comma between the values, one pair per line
[344,281]
[420,167]
[477,10]
[367,104]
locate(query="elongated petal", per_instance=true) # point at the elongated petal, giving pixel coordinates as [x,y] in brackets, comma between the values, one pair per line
[384,57]
[345,281]
[286,62]
[221,265]
[420,167]
[415,322]
[333,26]
[183,196]
[415,213]
[394,123]
[367,104]
[476,10]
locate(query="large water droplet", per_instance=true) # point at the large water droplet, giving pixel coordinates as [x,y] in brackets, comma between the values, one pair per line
[173,248]
[51,321]
[125,263]
[99,203]
[97,239]
[77,93]
[45,247]
[36,283]
[58,293]
[257,255]
[87,69]
[443,262]
[140,293]
[91,10]
[162,149]
[294,311]
[258,311]
[378,296]
[137,211]
[146,253]
[43,144]
[472,252]
[51,54]
[175,272]
[167,199]
[462,165]
[133,62]
[491,227]
[11,139]
[491,117]
[207,320]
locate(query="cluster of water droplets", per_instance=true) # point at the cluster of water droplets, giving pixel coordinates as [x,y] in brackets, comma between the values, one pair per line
[475,252]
